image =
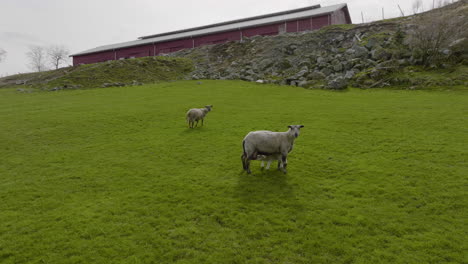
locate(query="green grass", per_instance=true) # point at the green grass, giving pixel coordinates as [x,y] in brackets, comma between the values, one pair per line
[339,27]
[115,176]
[452,78]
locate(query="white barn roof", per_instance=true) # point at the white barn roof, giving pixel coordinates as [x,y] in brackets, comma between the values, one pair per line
[222,27]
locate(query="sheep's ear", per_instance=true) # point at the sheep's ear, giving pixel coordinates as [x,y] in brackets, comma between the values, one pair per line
[290,127]
[301,126]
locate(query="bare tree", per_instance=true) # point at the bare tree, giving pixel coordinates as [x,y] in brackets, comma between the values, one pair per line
[57,54]
[2,54]
[441,3]
[435,33]
[417,6]
[36,56]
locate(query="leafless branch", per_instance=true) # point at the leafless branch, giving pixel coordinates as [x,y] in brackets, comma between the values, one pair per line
[57,54]
[36,56]
[2,54]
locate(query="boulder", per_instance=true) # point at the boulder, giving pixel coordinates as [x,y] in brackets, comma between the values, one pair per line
[360,52]
[338,67]
[349,75]
[316,75]
[338,83]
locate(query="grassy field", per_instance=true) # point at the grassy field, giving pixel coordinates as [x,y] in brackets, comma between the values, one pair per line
[115,176]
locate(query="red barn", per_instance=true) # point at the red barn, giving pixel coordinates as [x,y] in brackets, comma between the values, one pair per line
[303,19]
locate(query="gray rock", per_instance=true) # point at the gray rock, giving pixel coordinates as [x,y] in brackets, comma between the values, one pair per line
[380,53]
[322,65]
[360,51]
[402,62]
[247,78]
[304,84]
[304,63]
[136,83]
[320,60]
[372,43]
[316,75]
[338,67]
[349,75]
[326,71]
[301,73]
[339,83]
[350,51]
[265,64]
[250,72]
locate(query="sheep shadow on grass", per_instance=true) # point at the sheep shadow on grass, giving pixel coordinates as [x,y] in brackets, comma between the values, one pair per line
[267,186]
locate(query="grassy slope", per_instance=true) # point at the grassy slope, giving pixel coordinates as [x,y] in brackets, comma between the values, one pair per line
[432,79]
[144,70]
[114,176]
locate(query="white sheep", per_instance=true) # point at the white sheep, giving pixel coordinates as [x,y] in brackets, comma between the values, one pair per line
[195,114]
[268,143]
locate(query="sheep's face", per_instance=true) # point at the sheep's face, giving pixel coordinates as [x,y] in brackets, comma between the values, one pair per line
[208,107]
[295,130]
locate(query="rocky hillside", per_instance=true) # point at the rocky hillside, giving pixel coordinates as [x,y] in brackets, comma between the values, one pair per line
[367,55]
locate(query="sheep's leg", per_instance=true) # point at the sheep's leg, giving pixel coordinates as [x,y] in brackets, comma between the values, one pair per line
[243,161]
[261,165]
[196,124]
[280,164]
[202,122]
[285,163]
[247,163]
[268,164]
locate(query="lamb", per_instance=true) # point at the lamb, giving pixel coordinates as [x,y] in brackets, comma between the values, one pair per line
[268,143]
[269,159]
[195,114]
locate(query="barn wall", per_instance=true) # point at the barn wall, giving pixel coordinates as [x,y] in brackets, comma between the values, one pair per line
[347,16]
[217,38]
[292,26]
[135,52]
[321,21]
[93,58]
[262,30]
[338,17]
[305,24]
[172,46]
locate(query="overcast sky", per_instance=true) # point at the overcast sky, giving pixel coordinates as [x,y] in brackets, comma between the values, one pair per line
[85,24]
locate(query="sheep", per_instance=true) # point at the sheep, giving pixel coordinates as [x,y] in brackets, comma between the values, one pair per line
[267,143]
[269,159]
[195,114]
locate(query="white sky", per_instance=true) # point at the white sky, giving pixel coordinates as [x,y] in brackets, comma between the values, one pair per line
[85,24]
